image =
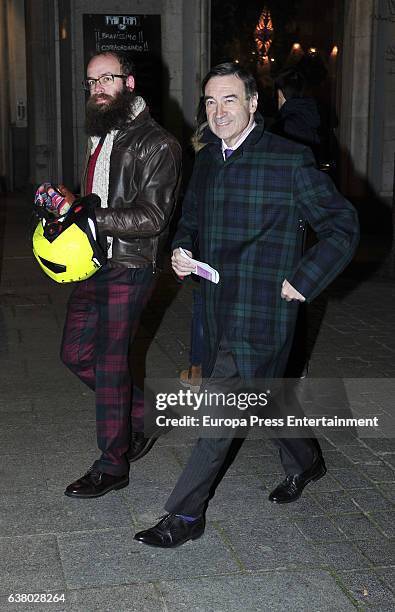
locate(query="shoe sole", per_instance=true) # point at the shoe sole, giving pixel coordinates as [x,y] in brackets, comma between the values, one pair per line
[289,501]
[145,450]
[121,485]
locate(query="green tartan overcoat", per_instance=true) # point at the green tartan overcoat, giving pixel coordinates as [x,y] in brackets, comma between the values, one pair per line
[248,215]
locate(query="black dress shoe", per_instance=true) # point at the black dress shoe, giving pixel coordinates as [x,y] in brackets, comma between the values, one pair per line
[140,445]
[291,488]
[95,483]
[171,531]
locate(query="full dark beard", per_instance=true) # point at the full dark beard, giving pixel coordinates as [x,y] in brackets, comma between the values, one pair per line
[102,118]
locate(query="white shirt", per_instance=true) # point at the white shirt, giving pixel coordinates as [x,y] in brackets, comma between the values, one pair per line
[242,138]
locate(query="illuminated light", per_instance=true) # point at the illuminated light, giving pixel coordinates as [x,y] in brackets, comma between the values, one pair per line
[335,51]
[263,35]
[312,50]
[236,61]
[272,59]
[63,30]
[296,47]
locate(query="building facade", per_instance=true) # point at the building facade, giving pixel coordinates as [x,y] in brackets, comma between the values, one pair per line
[42,67]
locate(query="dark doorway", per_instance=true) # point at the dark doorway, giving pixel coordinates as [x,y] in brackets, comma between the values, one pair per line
[266,37]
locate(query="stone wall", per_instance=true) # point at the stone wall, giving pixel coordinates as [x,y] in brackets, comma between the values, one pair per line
[367,111]
[382,117]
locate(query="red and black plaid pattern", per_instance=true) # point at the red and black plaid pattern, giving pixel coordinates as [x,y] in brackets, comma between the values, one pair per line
[102,318]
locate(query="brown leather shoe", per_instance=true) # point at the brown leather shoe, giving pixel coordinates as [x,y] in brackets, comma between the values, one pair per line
[95,484]
[192,377]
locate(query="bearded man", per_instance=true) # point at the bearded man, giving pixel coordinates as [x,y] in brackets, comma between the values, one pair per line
[133,165]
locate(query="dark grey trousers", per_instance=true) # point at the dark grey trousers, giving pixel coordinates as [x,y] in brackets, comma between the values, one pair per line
[192,490]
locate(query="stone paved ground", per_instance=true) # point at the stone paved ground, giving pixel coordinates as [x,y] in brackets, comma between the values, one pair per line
[330,551]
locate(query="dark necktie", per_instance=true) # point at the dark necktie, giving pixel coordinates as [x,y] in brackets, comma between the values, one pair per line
[228,153]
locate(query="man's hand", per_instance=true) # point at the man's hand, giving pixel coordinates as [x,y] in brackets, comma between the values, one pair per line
[289,293]
[181,266]
[68,195]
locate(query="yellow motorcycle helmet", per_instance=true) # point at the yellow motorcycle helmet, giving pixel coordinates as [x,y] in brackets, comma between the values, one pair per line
[68,249]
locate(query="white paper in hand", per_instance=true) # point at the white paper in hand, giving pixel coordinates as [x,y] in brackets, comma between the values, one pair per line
[202,269]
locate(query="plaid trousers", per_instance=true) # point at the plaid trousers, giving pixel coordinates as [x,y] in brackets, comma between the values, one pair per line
[102,318]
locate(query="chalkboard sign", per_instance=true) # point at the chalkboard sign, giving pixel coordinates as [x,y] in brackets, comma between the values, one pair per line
[139,36]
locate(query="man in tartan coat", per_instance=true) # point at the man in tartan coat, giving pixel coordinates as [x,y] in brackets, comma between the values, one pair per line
[248,207]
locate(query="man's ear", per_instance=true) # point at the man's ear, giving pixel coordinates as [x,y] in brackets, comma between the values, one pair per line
[130,82]
[281,99]
[253,103]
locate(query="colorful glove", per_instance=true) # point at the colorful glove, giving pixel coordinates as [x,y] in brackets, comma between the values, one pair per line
[53,200]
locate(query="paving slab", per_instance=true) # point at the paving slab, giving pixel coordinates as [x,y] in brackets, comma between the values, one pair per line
[78,404]
[124,598]
[385,522]
[361,455]
[22,473]
[387,575]
[337,502]
[368,590]
[359,526]
[381,446]
[335,459]
[20,437]
[268,544]
[40,512]
[67,434]
[342,438]
[389,459]
[379,552]
[319,529]
[11,407]
[109,558]
[351,478]
[388,491]
[341,555]
[268,592]
[30,564]
[380,473]
[369,500]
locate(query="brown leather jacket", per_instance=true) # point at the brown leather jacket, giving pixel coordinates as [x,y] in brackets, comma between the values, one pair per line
[145,170]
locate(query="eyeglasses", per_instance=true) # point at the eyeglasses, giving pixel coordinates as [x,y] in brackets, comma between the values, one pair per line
[104,81]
